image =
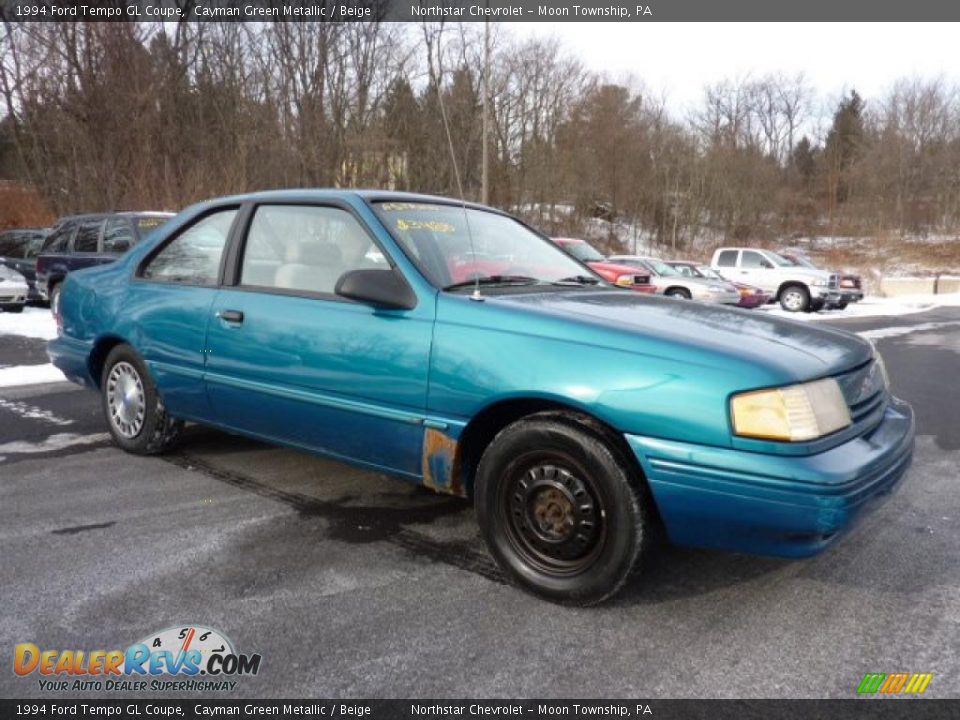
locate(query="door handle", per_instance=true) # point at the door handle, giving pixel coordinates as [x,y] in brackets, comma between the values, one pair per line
[231,316]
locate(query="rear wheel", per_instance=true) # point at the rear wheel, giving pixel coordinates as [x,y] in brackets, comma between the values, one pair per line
[679,293]
[135,414]
[795,298]
[561,511]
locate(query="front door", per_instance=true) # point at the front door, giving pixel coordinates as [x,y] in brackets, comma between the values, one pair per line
[756,270]
[289,360]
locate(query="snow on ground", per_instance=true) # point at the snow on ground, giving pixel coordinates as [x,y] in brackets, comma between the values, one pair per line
[32,322]
[872,306]
[29,375]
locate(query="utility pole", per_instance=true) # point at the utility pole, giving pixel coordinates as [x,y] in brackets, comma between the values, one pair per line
[485,164]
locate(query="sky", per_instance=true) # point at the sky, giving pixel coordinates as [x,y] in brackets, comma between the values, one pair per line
[680,58]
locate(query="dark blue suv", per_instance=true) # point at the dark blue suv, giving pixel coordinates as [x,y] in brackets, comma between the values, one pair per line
[80,241]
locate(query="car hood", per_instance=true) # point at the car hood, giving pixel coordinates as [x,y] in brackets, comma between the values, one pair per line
[609,267]
[701,333]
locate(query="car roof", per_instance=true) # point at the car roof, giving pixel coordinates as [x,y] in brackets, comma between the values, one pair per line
[368,195]
[121,213]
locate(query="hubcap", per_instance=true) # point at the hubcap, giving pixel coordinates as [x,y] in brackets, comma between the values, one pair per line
[126,400]
[793,300]
[554,518]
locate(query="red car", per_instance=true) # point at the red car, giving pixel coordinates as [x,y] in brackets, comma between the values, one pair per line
[622,275]
[750,295]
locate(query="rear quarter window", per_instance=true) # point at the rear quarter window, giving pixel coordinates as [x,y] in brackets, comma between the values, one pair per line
[727,258]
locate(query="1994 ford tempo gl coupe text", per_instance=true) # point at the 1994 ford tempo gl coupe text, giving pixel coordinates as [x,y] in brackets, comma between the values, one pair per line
[458,348]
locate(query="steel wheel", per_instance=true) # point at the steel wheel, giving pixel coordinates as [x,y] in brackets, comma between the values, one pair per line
[794,299]
[554,517]
[126,400]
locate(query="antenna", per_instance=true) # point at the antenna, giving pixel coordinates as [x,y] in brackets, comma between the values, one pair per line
[456,169]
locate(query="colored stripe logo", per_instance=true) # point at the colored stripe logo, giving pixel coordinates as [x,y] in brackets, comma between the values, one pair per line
[894,683]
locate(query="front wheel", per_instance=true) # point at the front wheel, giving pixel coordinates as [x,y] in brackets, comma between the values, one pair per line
[795,298]
[12,308]
[135,414]
[561,511]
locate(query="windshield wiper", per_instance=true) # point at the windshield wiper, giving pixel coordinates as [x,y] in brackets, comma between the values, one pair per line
[577,280]
[493,280]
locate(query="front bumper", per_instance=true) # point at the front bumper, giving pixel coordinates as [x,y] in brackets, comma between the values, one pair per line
[13,295]
[790,506]
[731,298]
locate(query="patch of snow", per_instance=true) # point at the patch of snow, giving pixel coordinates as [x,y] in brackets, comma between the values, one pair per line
[872,306]
[32,322]
[32,412]
[29,375]
[897,331]
[51,444]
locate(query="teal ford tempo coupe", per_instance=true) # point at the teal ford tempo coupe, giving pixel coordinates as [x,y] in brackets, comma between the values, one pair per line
[453,346]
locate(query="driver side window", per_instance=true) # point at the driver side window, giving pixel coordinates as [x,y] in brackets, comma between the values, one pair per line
[305,248]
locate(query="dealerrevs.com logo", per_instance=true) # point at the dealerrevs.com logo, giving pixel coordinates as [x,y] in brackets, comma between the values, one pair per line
[190,657]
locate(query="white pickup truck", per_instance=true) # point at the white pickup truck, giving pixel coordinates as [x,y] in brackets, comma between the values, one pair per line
[799,289]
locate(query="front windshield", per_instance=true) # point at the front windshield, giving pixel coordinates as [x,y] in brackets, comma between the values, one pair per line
[798,261]
[709,272]
[781,260]
[582,251]
[661,268]
[436,237]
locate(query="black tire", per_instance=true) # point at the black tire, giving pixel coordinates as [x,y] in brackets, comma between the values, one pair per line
[679,293]
[12,308]
[55,299]
[149,433]
[562,512]
[842,305]
[795,298]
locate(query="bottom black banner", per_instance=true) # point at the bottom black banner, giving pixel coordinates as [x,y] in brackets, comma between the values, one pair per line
[374,709]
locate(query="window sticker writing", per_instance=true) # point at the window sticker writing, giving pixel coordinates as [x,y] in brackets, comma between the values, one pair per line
[433,225]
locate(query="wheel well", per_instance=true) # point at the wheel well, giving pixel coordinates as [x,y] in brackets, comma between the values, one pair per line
[789,284]
[98,356]
[676,288]
[482,429]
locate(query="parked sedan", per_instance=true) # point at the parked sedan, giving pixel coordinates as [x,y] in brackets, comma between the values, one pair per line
[617,273]
[750,295]
[579,417]
[18,251]
[672,283]
[13,290]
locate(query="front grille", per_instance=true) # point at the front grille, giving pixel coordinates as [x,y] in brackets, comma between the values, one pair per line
[864,391]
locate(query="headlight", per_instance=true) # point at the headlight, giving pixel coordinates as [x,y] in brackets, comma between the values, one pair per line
[793,413]
[878,359]
[716,289]
[820,283]
[625,280]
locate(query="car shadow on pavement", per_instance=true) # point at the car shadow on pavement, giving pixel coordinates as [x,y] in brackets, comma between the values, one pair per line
[378,508]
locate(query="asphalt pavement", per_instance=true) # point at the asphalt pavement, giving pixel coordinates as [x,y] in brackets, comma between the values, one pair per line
[353,584]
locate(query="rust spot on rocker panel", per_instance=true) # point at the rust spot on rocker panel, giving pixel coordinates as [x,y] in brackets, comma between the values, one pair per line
[440,463]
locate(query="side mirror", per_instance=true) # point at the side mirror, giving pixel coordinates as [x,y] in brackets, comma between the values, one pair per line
[766,264]
[380,288]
